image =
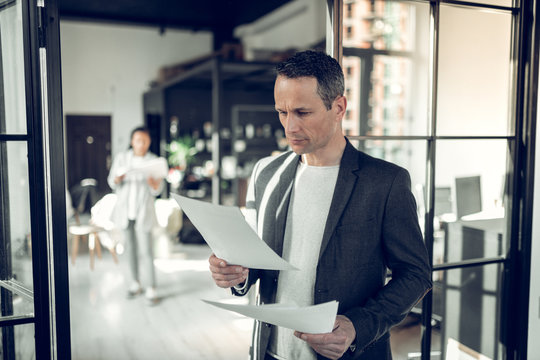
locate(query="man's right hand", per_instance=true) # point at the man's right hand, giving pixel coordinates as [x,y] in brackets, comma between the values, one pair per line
[225,275]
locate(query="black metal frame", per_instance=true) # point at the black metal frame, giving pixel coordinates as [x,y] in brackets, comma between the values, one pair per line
[6,271]
[46,184]
[516,261]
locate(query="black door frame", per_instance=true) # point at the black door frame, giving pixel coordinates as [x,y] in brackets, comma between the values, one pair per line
[41,43]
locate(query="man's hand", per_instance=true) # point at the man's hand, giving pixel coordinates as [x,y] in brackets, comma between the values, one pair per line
[332,345]
[226,276]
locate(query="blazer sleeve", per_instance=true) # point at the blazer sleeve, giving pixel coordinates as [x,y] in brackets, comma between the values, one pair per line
[406,256]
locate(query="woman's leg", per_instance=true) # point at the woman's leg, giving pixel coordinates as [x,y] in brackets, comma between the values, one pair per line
[147,264]
[148,253]
[133,254]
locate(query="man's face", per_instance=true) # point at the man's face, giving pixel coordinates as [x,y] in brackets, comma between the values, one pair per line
[140,142]
[309,126]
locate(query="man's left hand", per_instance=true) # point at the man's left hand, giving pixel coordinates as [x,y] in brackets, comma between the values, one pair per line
[332,345]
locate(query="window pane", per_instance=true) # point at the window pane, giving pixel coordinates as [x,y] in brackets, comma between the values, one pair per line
[409,154]
[25,347]
[380,24]
[18,340]
[17,264]
[466,311]
[470,185]
[406,338]
[507,3]
[474,72]
[386,78]
[12,93]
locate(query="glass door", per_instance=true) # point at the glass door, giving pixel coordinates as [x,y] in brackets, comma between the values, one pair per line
[434,86]
[34,315]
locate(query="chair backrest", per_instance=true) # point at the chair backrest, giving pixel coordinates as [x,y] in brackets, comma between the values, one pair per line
[468,195]
[443,200]
[85,195]
[101,212]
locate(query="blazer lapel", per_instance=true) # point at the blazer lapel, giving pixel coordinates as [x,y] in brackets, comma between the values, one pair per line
[278,206]
[286,183]
[345,183]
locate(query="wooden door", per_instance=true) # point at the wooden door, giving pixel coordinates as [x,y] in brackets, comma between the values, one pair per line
[88,151]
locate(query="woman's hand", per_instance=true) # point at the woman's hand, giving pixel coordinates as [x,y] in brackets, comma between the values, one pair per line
[154,183]
[119,179]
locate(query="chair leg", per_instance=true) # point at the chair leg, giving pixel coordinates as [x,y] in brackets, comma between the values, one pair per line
[112,249]
[91,247]
[97,245]
[74,248]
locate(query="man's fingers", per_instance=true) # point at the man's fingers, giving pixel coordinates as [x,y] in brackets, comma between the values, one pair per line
[331,345]
[228,269]
[227,281]
[229,277]
[217,262]
[220,266]
[321,339]
[225,275]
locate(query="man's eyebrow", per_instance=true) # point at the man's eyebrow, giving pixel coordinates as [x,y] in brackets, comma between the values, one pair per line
[301,108]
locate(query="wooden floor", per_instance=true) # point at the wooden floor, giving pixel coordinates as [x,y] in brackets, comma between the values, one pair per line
[106,325]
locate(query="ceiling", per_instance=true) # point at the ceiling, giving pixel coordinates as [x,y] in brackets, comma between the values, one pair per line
[214,15]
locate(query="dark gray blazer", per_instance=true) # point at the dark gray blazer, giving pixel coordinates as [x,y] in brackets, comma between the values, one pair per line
[372,226]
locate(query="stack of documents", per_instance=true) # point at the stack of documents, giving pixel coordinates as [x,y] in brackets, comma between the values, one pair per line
[316,319]
[232,239]
[156,168]
[229,235]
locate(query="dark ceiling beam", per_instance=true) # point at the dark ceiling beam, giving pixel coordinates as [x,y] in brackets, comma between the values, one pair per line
[209,15]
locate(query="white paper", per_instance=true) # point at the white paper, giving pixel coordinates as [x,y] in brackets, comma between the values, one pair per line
[156,168]
[315,319]
[229,235]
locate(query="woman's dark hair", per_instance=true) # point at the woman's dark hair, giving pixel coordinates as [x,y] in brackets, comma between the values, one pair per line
[317,64]
[143,129]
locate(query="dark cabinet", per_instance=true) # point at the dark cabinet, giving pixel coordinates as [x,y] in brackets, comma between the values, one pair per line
[226,111]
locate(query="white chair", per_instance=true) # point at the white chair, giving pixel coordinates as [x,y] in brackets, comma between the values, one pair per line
[98,224]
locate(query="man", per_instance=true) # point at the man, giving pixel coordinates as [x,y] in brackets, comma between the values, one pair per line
[340,216]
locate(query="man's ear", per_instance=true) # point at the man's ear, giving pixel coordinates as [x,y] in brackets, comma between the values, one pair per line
[340,107]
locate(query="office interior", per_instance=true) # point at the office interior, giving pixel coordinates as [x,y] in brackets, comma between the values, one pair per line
[447,89]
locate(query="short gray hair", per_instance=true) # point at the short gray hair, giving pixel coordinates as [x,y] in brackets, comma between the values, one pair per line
[324,68]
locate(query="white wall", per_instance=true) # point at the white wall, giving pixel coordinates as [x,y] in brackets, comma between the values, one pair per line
[473,97]
[107,68]
[299,24]
[534,300]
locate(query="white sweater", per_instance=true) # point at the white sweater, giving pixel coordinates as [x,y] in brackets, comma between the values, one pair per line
[306,218]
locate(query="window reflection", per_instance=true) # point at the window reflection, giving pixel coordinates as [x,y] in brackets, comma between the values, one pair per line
[466,307]
[386,52]
[469,199]
[16,211]
[474,72]
[495,2]
[408,154]
[11,70]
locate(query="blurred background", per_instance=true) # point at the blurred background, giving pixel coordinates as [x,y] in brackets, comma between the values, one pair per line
[431,86]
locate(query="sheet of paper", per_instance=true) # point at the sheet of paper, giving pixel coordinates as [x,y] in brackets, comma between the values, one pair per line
[316,319]
[229,235]
[156,168]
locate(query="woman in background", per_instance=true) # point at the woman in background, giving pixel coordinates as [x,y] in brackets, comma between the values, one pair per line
[134,210]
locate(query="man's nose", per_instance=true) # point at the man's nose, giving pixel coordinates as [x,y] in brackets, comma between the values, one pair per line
[291,124]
